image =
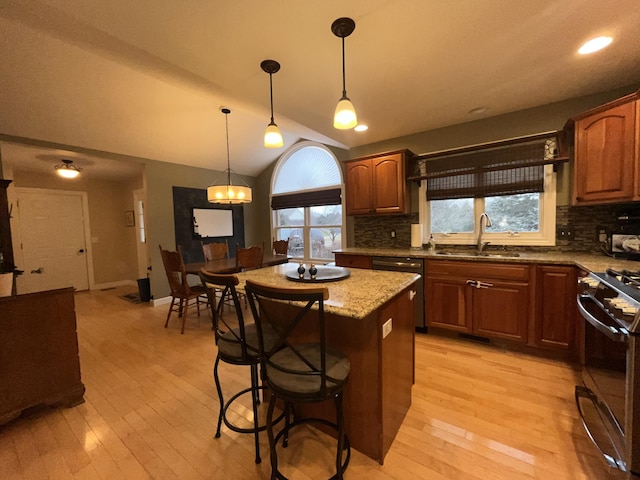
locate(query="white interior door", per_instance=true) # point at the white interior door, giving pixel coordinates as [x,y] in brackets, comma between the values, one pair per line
[53,240]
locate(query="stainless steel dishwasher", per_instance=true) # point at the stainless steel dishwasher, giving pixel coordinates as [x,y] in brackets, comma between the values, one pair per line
[411,265]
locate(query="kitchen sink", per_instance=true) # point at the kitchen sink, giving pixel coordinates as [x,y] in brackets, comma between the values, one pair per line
[483,254]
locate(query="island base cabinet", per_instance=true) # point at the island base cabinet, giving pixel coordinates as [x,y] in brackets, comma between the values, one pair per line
[378,393]
[39,362]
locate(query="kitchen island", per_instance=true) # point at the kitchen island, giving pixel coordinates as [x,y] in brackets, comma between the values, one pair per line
[378,393]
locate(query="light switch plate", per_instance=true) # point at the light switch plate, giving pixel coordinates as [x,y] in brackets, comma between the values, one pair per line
[387,327]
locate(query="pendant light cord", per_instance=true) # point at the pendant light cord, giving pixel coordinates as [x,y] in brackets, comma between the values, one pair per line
[226,123]
[271,96]
[344,81]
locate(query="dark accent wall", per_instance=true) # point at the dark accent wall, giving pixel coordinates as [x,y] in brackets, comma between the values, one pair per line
[184,201]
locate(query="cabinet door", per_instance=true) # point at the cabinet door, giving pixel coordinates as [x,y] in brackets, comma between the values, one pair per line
[501,310]
[389,184]
[556,298]
[448,303]
[359,180]
[353,261]
[604,168]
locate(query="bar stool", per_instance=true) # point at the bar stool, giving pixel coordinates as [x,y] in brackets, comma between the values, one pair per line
[298,368]
[237,345]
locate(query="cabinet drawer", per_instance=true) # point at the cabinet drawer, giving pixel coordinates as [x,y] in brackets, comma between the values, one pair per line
[476,270]
[354,261]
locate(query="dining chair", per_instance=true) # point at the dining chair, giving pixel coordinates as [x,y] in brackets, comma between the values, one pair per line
[237,344]
[249,258]
[281,247]
[298,365]
[182,294]
[215,251]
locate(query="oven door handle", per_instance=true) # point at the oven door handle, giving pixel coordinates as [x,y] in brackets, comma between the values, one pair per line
[582,392]
[610,332]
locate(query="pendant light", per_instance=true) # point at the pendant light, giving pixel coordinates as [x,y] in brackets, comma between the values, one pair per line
[67,169]
[228,193]
[272,136]
[345,115]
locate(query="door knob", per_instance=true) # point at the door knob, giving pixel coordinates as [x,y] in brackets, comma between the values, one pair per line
[81,250]
[39,271]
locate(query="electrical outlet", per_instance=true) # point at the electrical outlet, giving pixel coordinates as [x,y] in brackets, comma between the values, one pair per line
[393,234]
[387,327]
[566,233]
[602,234]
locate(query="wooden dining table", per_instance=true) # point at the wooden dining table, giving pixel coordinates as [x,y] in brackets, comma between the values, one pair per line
[228,265]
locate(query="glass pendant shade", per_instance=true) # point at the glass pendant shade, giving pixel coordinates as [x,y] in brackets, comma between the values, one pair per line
[68,169]
[345,115]
[233,194]
[228,193]
[273,137]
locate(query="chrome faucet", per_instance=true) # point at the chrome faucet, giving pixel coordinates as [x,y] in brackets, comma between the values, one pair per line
[481,226]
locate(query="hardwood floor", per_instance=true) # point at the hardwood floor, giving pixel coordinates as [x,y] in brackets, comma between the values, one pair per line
[478,413]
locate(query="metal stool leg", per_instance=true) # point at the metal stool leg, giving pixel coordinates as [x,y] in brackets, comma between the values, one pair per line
[254,402]
[217,382]
[272,441]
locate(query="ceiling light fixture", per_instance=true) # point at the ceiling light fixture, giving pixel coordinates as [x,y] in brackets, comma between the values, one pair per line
[361,128]
[272,136]
[67,169]
[594,45]
[345,115]
[228,193]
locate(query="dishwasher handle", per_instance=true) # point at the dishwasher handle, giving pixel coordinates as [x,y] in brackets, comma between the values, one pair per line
[396,265]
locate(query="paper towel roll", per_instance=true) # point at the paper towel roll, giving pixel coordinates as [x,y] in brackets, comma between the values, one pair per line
[416,235]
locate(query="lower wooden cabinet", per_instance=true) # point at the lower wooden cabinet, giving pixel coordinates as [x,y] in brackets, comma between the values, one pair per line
[353,261]
[556,290]
[484,299]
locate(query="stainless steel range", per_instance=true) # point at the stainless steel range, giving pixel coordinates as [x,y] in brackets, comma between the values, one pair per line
[609,400]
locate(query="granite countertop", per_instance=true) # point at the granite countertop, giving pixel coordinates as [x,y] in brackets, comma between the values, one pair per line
[586,261]
[355,296]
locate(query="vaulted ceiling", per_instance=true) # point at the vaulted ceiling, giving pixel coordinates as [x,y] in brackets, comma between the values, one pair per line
[147,78]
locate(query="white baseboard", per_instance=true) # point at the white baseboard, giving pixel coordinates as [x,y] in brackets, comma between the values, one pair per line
[156,302]
[119,283]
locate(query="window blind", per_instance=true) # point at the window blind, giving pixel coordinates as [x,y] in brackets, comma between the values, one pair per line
[307,199]
[509,170]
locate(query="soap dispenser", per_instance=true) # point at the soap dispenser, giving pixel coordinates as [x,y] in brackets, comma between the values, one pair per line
[432,244]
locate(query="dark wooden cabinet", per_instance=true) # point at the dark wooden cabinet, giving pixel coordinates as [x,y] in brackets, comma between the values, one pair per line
[353,261]
[377,184]
[6,247]
[39,352]
[606,153]
[500,308]
[556,290]
[448,303]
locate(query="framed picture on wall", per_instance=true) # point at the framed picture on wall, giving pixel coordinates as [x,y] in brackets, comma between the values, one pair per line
[129,218]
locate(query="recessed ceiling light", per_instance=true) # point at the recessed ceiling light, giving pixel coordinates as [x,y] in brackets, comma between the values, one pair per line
[594,45]
[361,128]
[478,110]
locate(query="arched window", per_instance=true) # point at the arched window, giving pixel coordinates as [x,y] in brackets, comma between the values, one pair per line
[306,201]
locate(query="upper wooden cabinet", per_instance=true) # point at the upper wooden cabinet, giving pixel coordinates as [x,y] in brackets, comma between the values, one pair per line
[606,153]
[377,184]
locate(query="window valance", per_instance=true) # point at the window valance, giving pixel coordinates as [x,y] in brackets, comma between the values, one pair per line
[330,196]
[502,168]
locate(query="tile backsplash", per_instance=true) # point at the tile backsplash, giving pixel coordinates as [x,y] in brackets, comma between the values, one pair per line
[583,221]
